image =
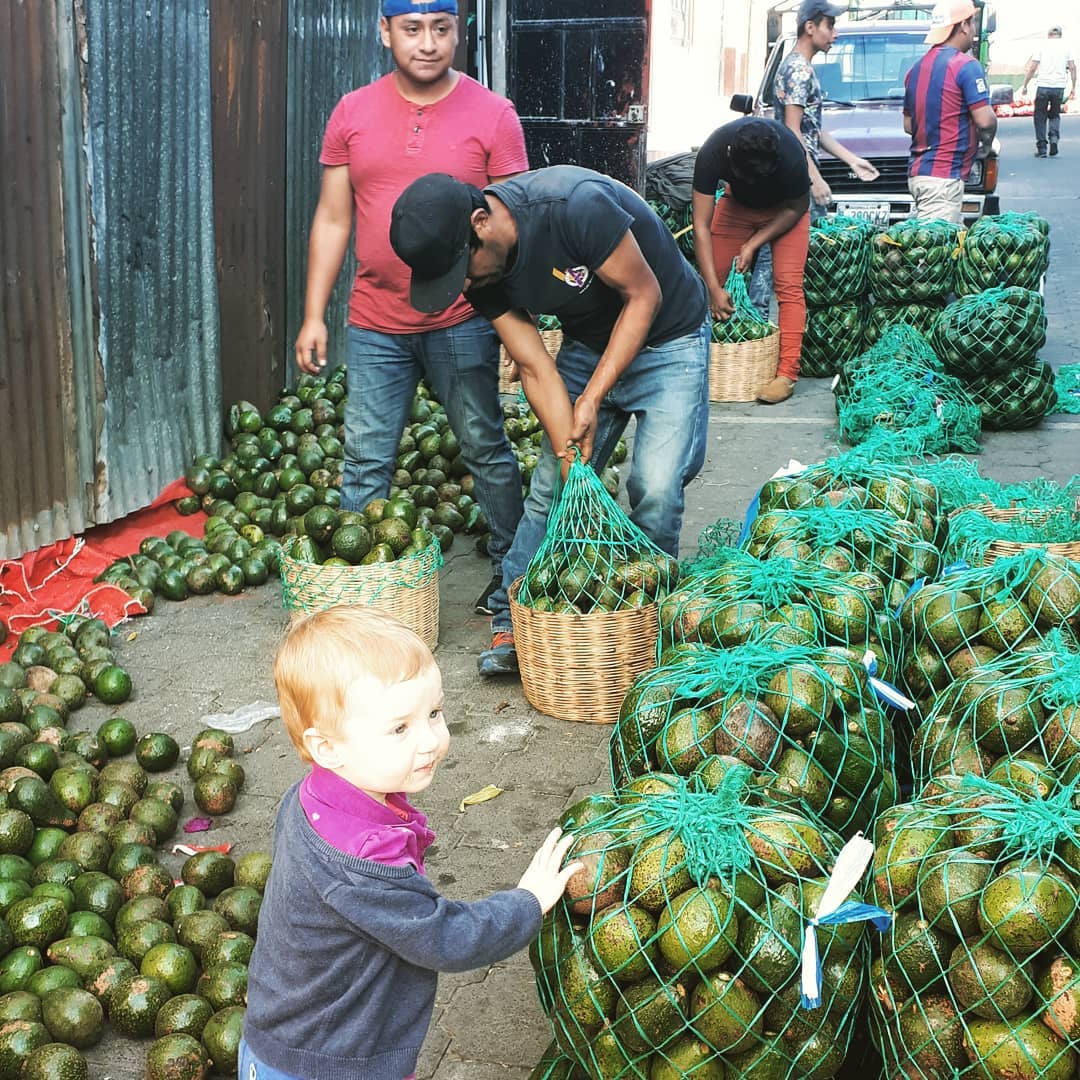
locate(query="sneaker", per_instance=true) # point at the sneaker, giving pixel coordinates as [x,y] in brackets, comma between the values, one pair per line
[483,601]
[1053,149]
[776,390]
[501,658]
[1040,153]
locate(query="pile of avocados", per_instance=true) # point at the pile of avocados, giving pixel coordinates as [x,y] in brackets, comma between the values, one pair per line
[93,927]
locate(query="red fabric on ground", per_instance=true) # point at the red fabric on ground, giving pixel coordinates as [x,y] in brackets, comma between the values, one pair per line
[59,578]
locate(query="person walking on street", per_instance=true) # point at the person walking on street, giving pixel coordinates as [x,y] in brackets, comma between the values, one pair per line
[947,113]
[798,103]
[763,167]
[579,245]
[424,116]
[1052,63]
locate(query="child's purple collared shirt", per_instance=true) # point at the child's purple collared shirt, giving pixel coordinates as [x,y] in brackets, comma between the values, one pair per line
[394,833]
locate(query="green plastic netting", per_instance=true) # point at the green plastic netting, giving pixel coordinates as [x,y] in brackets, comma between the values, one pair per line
[676,950]
[960,484]
[1006,249]
[968,616]
[833,335]
[900,385]
[1014,719]
[883,316]
[990,333]
[912,262]
[806,720]
[1067,389]
[971,532]
[747,323]
[1017,399]
[593,558]
[976,978]
[838,261]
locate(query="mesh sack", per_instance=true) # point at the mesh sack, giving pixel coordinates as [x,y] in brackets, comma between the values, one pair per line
[738,599]
[900,385]
[912,262]
[1017,399]
[1014,718]
[593,558]
[555,1065]
[1067,389]
[676,950]
[837,262]
[990,333]
[971,614]
[746,323]
[975,978]
[972,532]
[849,538]
[960,484]
[883,316]
[1007,249]
[833,336]
[806,721]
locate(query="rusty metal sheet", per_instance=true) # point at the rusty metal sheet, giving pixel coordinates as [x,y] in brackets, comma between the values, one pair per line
[148,82]
[334,47]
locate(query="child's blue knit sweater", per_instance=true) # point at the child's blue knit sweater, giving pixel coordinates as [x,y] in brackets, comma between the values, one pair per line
[342,981]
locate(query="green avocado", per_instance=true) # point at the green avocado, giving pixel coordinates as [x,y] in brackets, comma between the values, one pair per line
[726,1013]
[1026,1051]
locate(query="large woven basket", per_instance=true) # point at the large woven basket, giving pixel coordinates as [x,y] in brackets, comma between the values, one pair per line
[552,340]
[579,667]
[1000,549]
[407,589]
[738,370]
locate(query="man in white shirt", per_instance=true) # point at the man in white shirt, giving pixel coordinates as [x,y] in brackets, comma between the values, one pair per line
[1053,62]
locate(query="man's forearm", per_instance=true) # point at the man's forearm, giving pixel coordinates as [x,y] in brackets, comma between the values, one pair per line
[326,253]
[782,222]
[836,148]
[628,337]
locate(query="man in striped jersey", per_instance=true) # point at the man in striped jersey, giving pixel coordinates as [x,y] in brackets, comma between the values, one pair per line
[947,113]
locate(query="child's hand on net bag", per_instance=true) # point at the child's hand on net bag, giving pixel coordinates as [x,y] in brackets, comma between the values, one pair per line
[544,878]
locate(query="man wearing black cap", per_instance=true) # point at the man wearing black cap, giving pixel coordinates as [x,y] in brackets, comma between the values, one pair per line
[579,245]
[422,117]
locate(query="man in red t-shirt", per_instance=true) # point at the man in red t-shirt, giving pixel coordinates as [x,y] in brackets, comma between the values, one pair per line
[423,117]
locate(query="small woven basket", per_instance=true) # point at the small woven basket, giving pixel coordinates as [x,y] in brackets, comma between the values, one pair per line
[738,370]
[407,589]
[579,667]
[552,340]
[1000,549]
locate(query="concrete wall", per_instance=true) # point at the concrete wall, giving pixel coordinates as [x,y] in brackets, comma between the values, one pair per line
[703,51]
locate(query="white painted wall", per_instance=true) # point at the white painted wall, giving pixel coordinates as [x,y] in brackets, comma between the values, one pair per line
[702,51]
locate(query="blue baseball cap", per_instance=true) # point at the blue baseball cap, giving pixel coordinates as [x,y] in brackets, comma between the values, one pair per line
[390,8]
[816,9]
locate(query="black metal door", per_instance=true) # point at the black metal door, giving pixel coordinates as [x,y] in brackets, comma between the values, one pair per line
[578,74]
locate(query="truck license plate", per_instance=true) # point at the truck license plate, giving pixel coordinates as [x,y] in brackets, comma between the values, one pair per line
[875,213]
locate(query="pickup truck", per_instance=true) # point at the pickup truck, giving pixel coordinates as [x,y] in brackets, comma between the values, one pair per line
[862,83]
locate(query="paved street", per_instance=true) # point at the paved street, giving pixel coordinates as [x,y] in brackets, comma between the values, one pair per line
[214,654]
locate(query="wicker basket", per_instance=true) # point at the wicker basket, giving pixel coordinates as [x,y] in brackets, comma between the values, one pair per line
[552,340]
[738,370]
[1001,549]
[407,589]
[579,667]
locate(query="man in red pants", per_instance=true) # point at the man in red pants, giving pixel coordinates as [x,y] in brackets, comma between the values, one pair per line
[761,165]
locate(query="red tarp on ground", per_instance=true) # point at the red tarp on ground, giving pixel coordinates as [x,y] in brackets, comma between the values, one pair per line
[59,578]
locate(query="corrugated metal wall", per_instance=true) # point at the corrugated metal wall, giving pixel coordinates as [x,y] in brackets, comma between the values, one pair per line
[47,475]
[151,170]
[334,46]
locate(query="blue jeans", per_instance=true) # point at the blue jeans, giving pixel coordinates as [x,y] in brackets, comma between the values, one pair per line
[462,365]
[666,388]
[760,289]
[251,1068]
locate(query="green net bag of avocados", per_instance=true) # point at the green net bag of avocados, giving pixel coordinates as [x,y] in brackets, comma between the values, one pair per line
[900,385]
[807,721]
[594,558]
[912,262]
[555,1065]
[680,946]
[837,261]
[746,323]
[1006,249]
[977,976]
[1017,399]
[832,337]
[956,623]
[1015,719]
[881,317]
[991,332]
[1067,389]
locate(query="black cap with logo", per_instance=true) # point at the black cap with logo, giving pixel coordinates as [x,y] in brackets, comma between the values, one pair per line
[430,229]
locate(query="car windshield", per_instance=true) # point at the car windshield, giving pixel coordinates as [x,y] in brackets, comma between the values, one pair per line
[867,67]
